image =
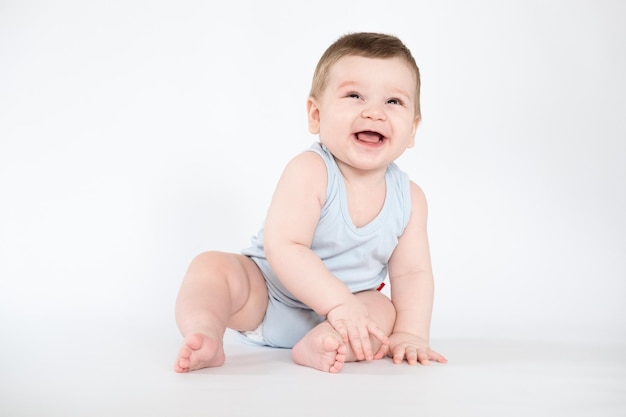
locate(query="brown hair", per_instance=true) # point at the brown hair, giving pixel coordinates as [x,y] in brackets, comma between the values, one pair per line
[368,45]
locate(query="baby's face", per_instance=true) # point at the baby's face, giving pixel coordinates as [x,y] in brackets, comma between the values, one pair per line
[366,115]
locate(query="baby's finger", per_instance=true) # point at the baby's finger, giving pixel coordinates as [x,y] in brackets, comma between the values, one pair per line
[437,357]
[375,331]
[382,351]
[360,344]
[398,354]
[423,357]
[366,342]
[341,329]
[412,355]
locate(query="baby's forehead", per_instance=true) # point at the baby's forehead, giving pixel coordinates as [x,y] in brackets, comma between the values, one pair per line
[365,57]
[355,58]
[349,66]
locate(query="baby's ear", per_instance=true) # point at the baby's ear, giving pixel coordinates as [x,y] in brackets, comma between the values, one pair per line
[313,113]
[416,123]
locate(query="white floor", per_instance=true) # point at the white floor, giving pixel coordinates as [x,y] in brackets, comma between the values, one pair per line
[103,368]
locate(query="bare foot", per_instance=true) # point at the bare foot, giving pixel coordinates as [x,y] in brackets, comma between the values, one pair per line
[322,349]
[199,351]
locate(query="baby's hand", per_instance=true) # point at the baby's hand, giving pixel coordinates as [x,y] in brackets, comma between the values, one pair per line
[352,322]
[412,348]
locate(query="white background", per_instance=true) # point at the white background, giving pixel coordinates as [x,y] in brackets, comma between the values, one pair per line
[135,134]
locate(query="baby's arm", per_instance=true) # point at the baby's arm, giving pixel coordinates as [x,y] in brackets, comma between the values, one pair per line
[289,229]
[412,288]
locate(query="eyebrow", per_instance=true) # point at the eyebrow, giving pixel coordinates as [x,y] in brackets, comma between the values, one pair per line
[345,84]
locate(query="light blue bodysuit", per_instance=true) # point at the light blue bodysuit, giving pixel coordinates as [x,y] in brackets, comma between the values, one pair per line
[358,256]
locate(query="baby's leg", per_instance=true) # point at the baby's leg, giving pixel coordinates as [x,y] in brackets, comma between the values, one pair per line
[322,348]
[219,290]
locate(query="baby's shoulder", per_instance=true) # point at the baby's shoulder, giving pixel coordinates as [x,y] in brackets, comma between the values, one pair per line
[307,162]
[305,172]
[419,203]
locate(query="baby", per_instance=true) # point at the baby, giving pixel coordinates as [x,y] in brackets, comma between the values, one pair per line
[343,217]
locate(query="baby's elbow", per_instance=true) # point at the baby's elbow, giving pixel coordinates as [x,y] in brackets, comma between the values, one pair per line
[275,248]
[270,249]
[281,252]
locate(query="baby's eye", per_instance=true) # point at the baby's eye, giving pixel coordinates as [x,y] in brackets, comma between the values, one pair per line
[394,101]
[354,95]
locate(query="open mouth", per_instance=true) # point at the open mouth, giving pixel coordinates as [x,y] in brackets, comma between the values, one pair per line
[369,137]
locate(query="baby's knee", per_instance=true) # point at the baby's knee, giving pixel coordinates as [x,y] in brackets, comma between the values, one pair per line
[388,309]
[211,261]
[380,307]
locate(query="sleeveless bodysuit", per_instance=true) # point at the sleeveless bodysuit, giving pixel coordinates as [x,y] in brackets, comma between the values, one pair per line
[358,256]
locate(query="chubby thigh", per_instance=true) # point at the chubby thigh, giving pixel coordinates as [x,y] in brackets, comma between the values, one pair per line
[248,292]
